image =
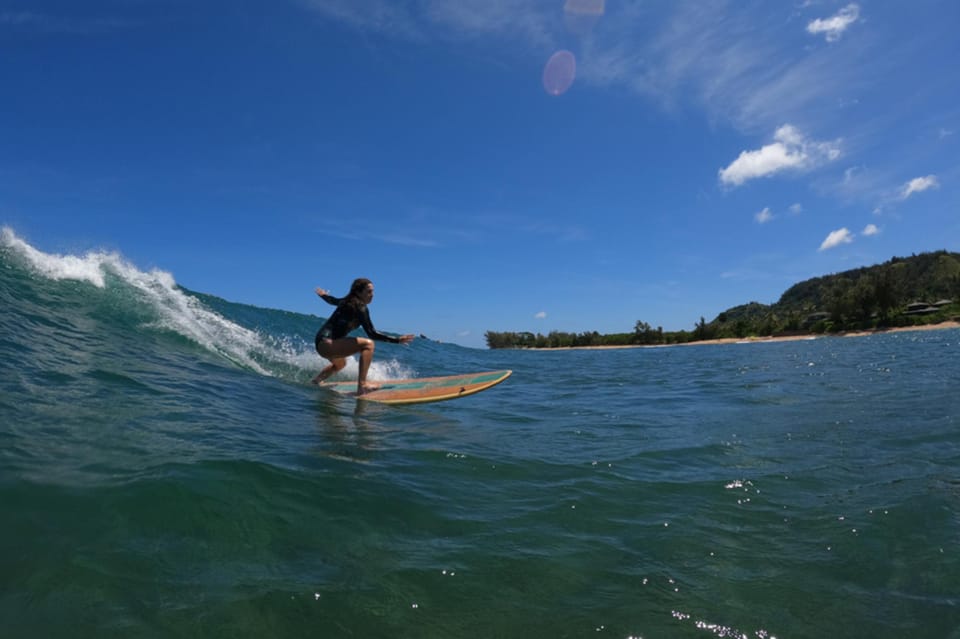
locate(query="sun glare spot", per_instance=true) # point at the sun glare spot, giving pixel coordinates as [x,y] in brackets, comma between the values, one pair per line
[559,72]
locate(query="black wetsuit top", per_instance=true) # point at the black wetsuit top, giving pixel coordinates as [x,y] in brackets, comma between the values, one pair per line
[345,319]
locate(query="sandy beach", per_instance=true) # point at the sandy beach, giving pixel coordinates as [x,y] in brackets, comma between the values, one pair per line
[765,340]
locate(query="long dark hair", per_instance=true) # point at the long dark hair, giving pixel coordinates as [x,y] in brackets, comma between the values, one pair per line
[356,290]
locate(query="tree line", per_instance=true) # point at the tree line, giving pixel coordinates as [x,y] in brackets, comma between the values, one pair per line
[910,291]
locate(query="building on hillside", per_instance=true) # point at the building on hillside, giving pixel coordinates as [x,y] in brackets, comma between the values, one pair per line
[921,308]
[813,318]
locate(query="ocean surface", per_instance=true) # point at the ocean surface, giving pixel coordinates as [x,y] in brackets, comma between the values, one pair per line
[167,471]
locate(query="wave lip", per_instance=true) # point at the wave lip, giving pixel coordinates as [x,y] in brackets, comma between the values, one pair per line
[89,268]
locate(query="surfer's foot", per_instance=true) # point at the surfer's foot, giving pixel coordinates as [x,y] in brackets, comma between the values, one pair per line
[367,387]
[324,375]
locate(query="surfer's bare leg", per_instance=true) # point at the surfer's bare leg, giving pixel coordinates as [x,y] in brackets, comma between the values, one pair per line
[340,349]
[366,357]
[336,365]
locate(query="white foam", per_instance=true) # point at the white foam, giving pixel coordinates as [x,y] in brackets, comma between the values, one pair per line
[380,370]
[186,315]
[60,267]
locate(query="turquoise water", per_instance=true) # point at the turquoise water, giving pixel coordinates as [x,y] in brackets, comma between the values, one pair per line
[165,470]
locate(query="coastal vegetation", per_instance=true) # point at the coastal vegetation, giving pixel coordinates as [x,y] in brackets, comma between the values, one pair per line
[904,291]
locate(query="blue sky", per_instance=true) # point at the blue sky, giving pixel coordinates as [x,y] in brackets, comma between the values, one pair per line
[491,164]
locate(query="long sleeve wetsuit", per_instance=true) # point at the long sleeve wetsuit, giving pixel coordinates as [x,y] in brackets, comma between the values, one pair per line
[345,319]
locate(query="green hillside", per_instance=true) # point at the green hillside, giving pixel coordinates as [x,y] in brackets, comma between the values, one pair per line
[864,298]
[905,291]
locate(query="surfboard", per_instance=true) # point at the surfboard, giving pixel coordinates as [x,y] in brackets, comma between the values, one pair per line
[421,390]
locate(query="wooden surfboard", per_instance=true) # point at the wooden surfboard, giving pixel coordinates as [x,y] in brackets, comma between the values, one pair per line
[423,389]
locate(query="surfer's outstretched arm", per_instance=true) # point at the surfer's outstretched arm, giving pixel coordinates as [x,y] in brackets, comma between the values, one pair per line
[326,297]
[374,334]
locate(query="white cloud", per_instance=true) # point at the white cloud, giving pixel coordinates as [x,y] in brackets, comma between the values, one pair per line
[889,198]
[836,238]
[51,24]
[735,60]
[871,229]
[918,185]
[541,315]
[834,26]
[372,15]
[789,151]
[20,18]
[427,21]
[528,21]
[796,209]
[763,216]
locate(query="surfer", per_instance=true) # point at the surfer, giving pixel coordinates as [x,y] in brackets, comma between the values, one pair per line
[333,341]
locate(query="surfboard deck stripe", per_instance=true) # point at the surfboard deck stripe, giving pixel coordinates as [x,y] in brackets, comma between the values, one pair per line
[424,389]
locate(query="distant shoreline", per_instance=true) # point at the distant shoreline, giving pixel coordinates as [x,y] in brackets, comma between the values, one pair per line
[759,340]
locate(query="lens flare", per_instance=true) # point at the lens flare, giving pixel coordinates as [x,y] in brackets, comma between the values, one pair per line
[559,72]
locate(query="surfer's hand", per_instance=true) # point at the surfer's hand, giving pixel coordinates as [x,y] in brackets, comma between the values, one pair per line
[406,339]
[320,291]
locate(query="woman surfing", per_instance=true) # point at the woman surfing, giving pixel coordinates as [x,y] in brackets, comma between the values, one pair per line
[333,340]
